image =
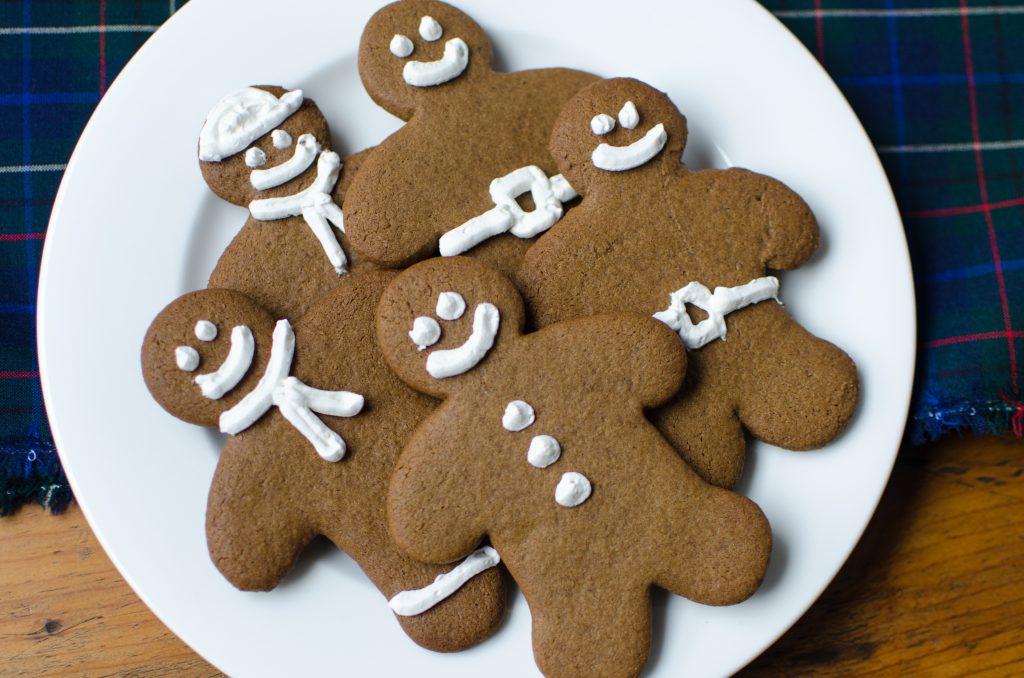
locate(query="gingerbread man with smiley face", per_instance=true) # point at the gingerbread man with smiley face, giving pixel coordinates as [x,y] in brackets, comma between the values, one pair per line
[654,237]
[474,141]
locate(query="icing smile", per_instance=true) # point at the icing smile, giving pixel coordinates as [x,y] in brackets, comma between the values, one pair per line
[448,67]
[621,158]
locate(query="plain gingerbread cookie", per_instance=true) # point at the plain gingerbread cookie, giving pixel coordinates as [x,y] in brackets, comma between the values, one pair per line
[653,237]
[542,445]
[315,439]
[467,125]
[269,150]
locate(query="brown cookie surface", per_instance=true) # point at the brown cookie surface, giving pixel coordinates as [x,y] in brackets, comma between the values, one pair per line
[275,489]
[433,175]
[542,446]
[646,227]
[282,262]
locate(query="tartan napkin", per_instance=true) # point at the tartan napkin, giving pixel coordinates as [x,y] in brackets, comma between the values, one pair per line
[938,84]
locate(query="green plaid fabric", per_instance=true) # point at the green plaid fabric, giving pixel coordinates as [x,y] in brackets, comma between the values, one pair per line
[939,85]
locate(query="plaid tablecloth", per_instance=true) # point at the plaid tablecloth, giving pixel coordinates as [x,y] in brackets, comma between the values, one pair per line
[938,84]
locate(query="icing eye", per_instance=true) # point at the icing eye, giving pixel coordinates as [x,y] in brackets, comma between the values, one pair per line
[205,330]
[281,138]
[602,124]
[401,46]
[628,116]
[255,157]
[425,332]
[187,358]
[430,30]
[450,306]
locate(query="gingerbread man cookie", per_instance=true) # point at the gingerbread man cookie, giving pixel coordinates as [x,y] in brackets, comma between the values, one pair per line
[475,140]
[269,149]
[316,422]
[653,237]
[542,445]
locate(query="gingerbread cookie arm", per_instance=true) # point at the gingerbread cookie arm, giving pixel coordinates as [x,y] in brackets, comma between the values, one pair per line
[782,353]
[254,530]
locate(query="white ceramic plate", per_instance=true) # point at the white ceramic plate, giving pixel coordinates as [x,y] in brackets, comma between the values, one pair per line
[134,226]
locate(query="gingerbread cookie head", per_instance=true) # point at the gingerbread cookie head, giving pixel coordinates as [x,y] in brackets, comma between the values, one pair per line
[262,142]
[615,128]
[446,324]
[204,352]
[420,50]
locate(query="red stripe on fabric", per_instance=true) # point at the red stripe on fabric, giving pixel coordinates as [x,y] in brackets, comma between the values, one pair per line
[15,237]
[980,336]
[103,47]
[819,28]
[1017,420]
[983,188]
[19,375]
[969,209]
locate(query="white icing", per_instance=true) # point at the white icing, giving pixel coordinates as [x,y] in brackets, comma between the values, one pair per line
[205,330]
[448,363]
[572,490]
[215,384]
[296,401]
[255,157]
[518,415]
[448,67]
[187,358]
[305,152]
[544,451]
[315,205]
[430,30]
[425,332]
[401,46]
[724,301]
[602,124]
[621,158]
[241,118]
[629,118]
[280,138]
[417,601]
[507,215]
[450,306]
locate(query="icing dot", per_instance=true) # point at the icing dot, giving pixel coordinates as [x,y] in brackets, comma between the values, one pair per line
[450,306]
[602,124]
[430,30]
[401,46]
[573,489]
[518,415]
[544,451]
[187,358]
[206,331]
[281,138]
[628,116]
[255,157]
[425,332]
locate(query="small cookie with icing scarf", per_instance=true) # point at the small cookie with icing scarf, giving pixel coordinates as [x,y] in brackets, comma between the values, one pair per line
[268,149]
[316,423]
[541,445]
[695,249]
[474,141]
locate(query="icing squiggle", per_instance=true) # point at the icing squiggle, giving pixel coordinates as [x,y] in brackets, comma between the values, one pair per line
[448,67]
[417,601]
[241,118]
[315,205]
[507,216]
[215,384]
[724,301]
[305,152]
[621,158]
[451,362]
[296,401]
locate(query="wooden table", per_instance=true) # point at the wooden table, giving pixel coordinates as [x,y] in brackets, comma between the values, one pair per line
[936,587]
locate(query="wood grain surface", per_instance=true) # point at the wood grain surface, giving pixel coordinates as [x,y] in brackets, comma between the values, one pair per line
[935,588]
